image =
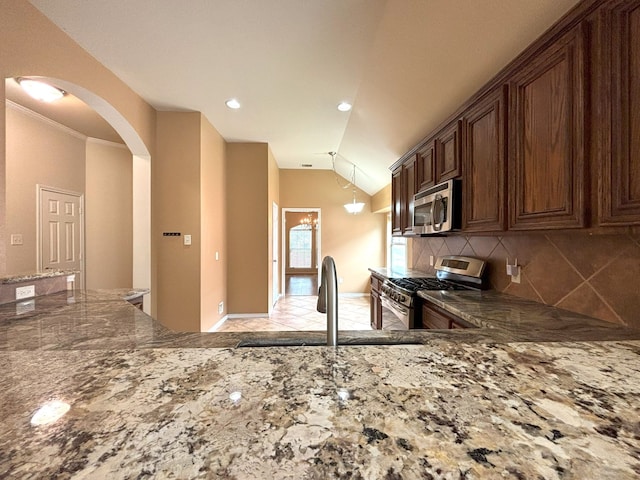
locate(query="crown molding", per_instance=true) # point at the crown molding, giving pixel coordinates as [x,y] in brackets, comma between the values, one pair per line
[43,119]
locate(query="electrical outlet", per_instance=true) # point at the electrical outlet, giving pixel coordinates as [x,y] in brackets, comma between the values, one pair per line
[221,307]
[217,256]
[25,292]
[431,260]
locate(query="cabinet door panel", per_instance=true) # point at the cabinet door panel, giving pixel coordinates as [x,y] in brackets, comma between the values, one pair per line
[448,153]
[426,166]
[409,175]
[547,149]
[396,202]
[620,155]
[483,154]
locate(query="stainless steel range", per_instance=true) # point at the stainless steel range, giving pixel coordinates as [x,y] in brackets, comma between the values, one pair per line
[398,297]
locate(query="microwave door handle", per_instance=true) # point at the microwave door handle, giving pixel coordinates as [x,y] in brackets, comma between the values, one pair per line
[438,200]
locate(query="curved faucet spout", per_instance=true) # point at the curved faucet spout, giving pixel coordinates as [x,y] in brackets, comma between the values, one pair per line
[328,299]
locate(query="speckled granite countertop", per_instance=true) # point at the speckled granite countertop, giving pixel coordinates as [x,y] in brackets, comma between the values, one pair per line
[145,404]
[398,272]
[25,277]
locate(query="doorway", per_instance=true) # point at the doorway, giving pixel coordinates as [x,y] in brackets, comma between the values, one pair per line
[301,253]
[61,231]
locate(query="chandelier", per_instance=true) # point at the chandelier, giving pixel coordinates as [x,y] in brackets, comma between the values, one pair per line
[308,222]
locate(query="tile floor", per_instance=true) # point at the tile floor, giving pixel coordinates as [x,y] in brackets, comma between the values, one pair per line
[299,313]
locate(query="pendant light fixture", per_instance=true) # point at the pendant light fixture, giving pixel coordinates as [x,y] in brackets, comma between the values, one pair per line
[354,207]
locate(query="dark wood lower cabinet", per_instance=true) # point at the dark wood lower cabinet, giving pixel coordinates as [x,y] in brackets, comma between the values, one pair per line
[376,304]
[434,317]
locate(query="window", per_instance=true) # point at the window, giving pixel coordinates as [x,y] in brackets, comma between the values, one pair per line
[396,249]
[300,247]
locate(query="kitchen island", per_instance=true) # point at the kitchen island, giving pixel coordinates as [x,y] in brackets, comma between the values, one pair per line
[148,402]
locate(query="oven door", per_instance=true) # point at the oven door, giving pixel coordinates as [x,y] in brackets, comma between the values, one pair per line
[395,316]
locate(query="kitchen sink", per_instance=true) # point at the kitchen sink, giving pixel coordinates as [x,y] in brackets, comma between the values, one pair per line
[321,341]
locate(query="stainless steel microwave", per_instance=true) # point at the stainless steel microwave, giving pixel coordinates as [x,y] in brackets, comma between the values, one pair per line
[437,209]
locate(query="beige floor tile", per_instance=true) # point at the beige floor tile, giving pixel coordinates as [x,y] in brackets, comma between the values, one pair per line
[298,313]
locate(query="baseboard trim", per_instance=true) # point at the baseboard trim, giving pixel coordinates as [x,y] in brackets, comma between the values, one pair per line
[218,324]
[248,315]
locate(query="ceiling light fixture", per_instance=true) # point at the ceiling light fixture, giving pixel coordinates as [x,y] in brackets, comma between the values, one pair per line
[354,207]
[40,90]
[232,103]
[344,106]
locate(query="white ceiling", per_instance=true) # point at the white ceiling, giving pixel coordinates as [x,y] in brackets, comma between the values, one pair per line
[404,64]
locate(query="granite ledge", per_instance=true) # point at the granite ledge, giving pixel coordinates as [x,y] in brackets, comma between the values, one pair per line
[28,277]
[398,272]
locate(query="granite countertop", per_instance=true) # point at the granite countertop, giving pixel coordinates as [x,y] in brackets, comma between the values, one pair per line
[26,277]
[143,402]
[398,272]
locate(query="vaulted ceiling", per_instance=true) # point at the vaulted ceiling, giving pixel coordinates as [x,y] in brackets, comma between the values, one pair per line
[403,64]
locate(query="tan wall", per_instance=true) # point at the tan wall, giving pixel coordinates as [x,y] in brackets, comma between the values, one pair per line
[248,228]
[381,201]
[213,281]
[175,200]
[36,153]
[31,45]
[109,216]
[356,242]
[274,196]
[596,275]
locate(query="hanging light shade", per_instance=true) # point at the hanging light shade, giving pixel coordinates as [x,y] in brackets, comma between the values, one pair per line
[354,207]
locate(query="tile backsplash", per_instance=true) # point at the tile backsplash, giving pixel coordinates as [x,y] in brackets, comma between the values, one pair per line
[594,274]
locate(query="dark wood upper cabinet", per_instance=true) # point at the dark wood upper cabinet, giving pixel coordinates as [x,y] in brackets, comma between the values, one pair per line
[483,157]
[403,188]
[618,151]
[410,181]
[448,164]
[396,202]
[547,137]
[426,158]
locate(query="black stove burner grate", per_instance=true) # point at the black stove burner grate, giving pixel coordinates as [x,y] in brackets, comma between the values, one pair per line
[412,285]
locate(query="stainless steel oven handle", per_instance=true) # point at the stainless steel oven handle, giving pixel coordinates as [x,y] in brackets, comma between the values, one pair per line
[398,310]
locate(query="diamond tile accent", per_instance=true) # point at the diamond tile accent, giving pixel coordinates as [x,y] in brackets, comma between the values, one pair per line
[597,275]
[618,284]
[589,253]
[483,246]
[585,300]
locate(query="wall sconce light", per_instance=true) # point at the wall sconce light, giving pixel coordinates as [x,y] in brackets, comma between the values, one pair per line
[40,90]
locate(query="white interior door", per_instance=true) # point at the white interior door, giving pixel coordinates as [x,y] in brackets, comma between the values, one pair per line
[276,260]
[61,231]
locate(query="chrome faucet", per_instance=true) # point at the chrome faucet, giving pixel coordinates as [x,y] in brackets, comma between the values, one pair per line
[328,299]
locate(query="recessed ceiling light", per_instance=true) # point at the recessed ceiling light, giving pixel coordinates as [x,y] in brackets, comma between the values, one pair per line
[232,103]
[344,106]
[40,90]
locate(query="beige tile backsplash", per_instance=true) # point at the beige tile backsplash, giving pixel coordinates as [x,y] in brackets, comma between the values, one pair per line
[594,274]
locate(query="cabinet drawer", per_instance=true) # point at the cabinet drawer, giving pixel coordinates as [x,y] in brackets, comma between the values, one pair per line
[376,283]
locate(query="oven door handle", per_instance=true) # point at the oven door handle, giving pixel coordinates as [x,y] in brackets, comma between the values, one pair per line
[398,310]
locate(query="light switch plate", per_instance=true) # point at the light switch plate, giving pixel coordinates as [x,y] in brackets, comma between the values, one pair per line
[187,239]
[16,239]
